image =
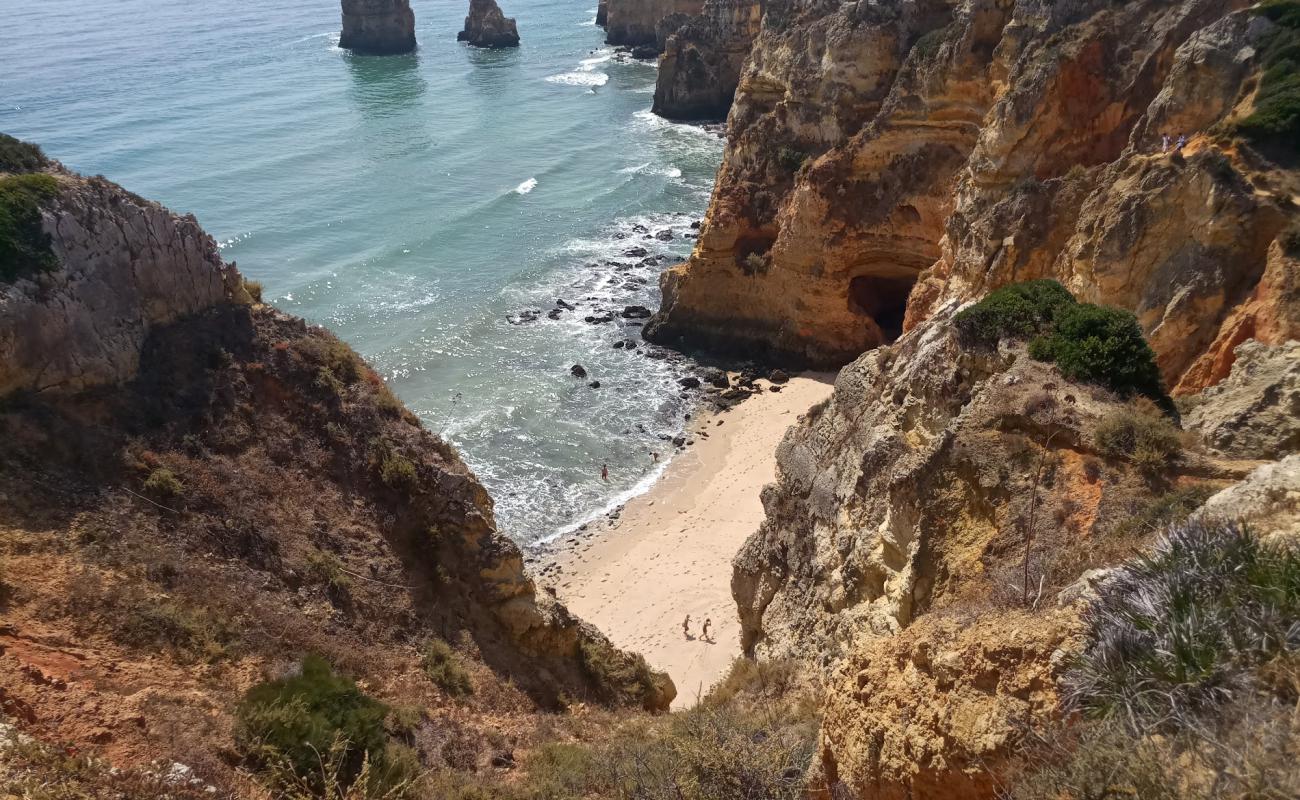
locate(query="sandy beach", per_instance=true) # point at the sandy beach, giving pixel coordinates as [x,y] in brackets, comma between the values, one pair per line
[668,554]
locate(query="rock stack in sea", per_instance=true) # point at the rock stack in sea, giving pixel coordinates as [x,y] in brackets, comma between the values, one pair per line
[703,59]
[378,27]
[647,24]
[487,26]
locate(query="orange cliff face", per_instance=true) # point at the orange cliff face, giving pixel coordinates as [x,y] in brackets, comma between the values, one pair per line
[887,160]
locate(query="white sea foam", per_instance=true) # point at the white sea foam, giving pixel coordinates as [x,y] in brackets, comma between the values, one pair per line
[580,78]
[589,64]
[526,187]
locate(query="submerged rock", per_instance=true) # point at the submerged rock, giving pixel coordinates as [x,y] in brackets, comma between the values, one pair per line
[378,27]
[487,26]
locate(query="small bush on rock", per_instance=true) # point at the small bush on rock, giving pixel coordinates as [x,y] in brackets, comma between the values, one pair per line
[398,472]
[1276,118]
[1148,440]
[163,485]
[443,667]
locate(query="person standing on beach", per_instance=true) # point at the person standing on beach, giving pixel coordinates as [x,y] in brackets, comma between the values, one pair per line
[705,634]
[686,626]
[604,472]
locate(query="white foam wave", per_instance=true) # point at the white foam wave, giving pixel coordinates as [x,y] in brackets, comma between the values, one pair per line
[580,78]
[636,490]
[526,187]
[590,64]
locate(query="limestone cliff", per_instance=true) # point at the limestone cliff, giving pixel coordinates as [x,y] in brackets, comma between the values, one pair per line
[641,22]
[702,60]
[936,150]
[487,26]
[378,27]
[200,490]
[127,267]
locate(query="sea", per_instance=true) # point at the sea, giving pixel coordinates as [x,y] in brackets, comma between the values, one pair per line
[430,209]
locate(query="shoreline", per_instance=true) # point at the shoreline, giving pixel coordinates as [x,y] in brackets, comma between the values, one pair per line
[636,572]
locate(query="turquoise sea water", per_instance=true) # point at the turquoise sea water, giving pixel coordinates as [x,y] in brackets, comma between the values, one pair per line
[412,204]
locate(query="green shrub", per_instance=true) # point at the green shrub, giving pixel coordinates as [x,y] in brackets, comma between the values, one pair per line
[755,264]
[1170,508]
[791,158]
[325,568]
[398,472]
[616,675]
[326,351]
[1017,311]
[24,245]
[163,485]
[19,156]
[1179,631]
[160,623]
[443,667]
[1145,439]
[1276,118]
[760,679]
[326,383]
[1102,345]
[1291,241]
[292,723]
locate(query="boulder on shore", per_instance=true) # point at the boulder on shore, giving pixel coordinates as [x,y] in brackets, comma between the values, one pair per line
[487,26]
[378,27]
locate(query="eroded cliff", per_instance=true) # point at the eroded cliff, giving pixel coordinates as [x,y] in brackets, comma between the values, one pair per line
[702,61]
[200,490]
[646,23]
[936,150]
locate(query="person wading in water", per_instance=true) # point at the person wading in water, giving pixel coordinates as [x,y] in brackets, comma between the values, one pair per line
[604,472]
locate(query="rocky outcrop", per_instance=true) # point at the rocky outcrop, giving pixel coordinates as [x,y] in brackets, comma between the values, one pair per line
[378,27]
[937,711]
[634,23]
[487,26]
[884,159]
[1255,411]
[1268,500]
[909,491]
[125,267]
[703,59]
[602,13]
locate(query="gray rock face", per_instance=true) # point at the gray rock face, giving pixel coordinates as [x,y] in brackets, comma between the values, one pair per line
[1255,411]
[487,26]
[378,27]
[127,265]
[1268,500]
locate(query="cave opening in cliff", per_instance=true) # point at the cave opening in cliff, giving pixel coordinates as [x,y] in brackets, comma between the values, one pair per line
[882,298]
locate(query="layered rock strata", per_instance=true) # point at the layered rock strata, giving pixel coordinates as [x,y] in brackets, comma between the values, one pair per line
[702,60]
[936,150]
[378,27]
[487,26]
[634,23]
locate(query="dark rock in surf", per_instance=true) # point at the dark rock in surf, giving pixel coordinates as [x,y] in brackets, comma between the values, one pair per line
[578,371]
[636,312]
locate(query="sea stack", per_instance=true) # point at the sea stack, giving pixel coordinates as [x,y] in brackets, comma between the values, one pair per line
[378,27]
[486,26]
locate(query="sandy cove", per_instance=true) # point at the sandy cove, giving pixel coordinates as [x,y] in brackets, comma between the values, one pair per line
[669,552]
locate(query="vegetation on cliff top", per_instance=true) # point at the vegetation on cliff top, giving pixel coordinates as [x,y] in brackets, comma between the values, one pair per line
[19,156]
[1276,118]
[24,245]
[1095,344]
